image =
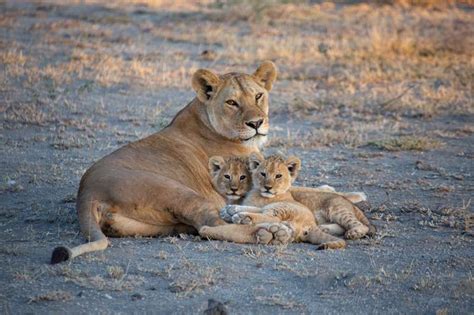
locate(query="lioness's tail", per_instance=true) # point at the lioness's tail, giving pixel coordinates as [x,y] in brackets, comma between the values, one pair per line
[360,215]
[324,240]
[88,220]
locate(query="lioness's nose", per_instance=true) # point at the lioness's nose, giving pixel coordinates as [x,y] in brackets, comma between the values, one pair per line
[254,123]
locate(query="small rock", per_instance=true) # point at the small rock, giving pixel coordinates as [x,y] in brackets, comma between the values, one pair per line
[137,296]
[208,55]
[215,308]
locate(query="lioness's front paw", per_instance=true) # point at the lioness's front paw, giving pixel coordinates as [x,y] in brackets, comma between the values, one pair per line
[227,212]
[357,232]
[242,218]
[274,233]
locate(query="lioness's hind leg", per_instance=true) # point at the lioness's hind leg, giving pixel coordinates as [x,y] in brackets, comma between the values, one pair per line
[119,225]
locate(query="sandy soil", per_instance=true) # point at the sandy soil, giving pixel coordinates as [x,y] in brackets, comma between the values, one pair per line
[373,98]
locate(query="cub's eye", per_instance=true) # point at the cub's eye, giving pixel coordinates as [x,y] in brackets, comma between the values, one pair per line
[227,176]
[258,96]
[263,174]
[278,175]
[243,177]
[232,103]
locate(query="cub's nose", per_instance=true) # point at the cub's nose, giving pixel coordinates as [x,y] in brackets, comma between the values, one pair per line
[234,189]
[255,124]
[268,187]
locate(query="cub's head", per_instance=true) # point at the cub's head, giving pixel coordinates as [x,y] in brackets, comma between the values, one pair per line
[274,175]
[230,176]
[237,103]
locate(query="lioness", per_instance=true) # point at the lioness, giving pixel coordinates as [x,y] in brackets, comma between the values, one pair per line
[272,179]
[160,185]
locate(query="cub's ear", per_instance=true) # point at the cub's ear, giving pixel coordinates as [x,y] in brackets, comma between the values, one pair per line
[255,159]
[266,74]
[205,84]
[294,165]
[215,164]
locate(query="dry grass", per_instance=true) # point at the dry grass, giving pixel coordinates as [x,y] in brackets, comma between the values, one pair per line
[364,56]
[407,143]
[115,272]
[190,277]
[115,280]
[57,295]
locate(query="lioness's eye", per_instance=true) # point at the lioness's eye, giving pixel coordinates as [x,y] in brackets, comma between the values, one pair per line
[258,96]
[242,177]
[278,175]
[227,176]
[232,103]
[263,174]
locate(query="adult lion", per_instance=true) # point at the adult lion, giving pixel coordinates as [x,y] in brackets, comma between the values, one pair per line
[160,185]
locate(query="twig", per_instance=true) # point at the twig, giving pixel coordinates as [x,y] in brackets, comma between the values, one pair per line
[391,101]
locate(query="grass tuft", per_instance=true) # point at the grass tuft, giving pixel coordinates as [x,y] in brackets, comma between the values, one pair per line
[407,143]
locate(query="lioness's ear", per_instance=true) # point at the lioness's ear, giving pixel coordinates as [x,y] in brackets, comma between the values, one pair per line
[254,161]
[215,164]
[205,84]
[266,74]
[294,166]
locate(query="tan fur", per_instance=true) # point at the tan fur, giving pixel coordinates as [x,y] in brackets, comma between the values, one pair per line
[270,201]
[230,177]
[161,184]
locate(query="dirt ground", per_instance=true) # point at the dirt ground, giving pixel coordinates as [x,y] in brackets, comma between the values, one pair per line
[373,97]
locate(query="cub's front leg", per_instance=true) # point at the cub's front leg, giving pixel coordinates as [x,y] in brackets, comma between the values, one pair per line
[229,211]
[254,217]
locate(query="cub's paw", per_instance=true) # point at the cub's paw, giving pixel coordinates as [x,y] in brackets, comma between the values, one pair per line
[357,232]
[228,211]
[242,218]
[326,188]
[274,233]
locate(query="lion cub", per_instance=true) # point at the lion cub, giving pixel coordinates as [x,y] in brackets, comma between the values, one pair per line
[230,177]
[272,180]
[270,201]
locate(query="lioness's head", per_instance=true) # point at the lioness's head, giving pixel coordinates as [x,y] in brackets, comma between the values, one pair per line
[230,176]
[274,175]
[237,103]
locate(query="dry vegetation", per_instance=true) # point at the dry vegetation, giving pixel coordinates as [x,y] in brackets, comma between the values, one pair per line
[374,96]
[407,143]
